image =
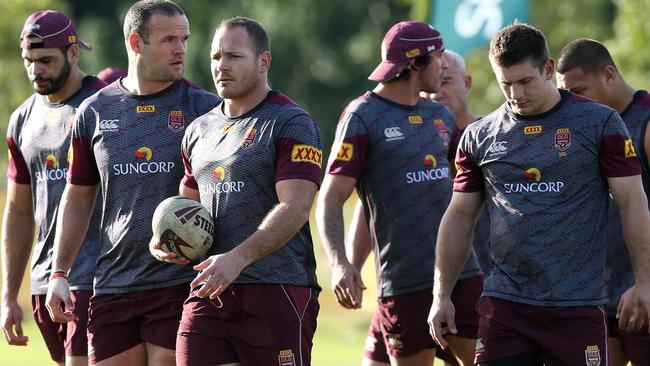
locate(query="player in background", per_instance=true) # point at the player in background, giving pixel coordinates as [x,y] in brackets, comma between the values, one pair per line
[38,138]
[543,162]
[586,67]
[453,93]
[111,73]
[254,161]
[394,147]
[126,143]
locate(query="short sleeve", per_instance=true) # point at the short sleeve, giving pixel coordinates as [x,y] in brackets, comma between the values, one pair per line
[617,155]
[350,147]
[17,170]
[469,177]
[82,167]
[299,153]
[188,179]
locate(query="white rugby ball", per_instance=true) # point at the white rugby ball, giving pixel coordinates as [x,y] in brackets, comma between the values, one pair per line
[183,226]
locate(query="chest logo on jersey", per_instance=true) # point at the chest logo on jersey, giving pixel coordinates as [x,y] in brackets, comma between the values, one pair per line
[430,173]
[416,120]
[222,185]
[497,148]
[145,109]
[592,356]
[393,134]
[536,186]
[442,128]
[307,154]
[532,130]
[109,125]
[148,166]
[629,149]
[562,140]
[249,138]
[345,152]
[52,171]
[176,121]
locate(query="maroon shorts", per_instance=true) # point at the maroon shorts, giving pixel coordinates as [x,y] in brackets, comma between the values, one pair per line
[119,322]
[636,345]
[253,324]
[561,335]
[64,339]
[401,322]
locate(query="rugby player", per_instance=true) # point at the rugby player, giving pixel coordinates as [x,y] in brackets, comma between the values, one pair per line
[586,67]
[126,144]
[543,162]
[254,161]
[38,138]
[394,147]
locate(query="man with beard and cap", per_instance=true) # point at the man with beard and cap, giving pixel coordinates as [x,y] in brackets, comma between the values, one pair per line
[395,147]
[38,138]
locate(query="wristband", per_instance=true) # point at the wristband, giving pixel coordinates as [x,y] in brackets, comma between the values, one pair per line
[58,274]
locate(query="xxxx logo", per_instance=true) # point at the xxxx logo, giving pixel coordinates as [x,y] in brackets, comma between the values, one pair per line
[345,152]
[307,154]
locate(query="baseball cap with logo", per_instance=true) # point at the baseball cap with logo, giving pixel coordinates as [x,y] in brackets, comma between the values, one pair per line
[402,44]
[53,28]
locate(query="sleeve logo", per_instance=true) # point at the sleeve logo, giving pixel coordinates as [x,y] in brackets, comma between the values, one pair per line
[306,154]
[629,149]
[345,152]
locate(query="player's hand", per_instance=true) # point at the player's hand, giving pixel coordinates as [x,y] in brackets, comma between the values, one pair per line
[442,312]
[633,308]
[12,323]
[58,293]
[164,256]
[347,285]
[217,273]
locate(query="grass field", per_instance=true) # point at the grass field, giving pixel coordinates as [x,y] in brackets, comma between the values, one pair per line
[338,341]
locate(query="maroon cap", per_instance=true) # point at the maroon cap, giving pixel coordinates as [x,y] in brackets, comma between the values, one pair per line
[54,28]
[110,74]
[402,43]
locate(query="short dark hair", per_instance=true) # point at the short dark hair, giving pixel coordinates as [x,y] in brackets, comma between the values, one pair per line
[588,54]
[519,42]
[137,18]
[255,30]
[420,61]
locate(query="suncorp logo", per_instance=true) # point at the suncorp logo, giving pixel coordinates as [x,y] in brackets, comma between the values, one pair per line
[536,186]
[431,174]
[222,185]
[143,167]
[52,171]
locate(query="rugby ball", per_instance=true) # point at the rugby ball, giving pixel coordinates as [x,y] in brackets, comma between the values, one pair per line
[183,226]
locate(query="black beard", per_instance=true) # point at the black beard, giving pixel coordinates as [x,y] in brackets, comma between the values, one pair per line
[57,84]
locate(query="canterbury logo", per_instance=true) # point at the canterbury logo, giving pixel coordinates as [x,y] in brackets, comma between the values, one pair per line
[393,133]
[498,147]
[109,125]
[186,214]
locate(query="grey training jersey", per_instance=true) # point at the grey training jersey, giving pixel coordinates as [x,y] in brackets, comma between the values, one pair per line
[621,277]
[400,157]
[38,138]
[131,146]
[547,194]
[235,164]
